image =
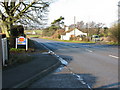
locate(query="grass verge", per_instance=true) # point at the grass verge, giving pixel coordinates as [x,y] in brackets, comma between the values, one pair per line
[36,36]
[113,43]
[71,41]
[20,55]
[18,59]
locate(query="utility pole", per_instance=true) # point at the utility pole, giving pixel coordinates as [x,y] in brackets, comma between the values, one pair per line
[74,25]
[88,26]
[88,29]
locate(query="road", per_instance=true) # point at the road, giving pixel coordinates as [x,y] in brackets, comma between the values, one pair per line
[89,65]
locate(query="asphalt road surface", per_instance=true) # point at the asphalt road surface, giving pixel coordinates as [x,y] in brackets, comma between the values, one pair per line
[89,66]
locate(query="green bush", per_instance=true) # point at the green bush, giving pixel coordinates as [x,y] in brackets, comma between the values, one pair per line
[17,50]
[115,33]
[59,36]
[21,50]
[48,32]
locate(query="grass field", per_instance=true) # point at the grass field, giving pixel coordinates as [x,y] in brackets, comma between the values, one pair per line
[36,36]
[38,33]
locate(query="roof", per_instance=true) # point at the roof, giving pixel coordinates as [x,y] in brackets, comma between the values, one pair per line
[70,31]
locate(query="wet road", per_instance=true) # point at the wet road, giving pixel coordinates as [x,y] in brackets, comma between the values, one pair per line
[89,66]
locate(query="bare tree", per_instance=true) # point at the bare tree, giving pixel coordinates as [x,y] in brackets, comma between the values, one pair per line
[99,26]
[22,11]
[80,25]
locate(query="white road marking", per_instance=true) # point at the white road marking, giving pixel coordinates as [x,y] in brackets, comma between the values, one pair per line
[89,50]
[79,78]
[47,41]
[83,82]
[113,56]
[73,46]
[64,62]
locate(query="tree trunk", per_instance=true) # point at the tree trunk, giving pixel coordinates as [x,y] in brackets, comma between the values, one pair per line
[5,29]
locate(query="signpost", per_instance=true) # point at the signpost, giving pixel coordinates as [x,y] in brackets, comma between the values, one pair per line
[22,41]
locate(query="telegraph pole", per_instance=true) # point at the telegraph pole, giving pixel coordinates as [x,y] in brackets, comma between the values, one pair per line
[88,25]
[88,29]
[74,25]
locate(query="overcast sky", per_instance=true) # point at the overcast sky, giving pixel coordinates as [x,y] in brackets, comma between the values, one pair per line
[105,11]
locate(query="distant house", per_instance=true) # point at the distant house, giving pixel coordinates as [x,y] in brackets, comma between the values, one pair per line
[72,33]
[32,33]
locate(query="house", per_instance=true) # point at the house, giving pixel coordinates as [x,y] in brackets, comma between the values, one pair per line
[72,33]
[31,33]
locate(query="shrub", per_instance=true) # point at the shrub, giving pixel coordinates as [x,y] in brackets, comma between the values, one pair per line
[115,33]
[59,36]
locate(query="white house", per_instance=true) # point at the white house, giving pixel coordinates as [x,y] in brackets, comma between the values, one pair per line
[74,32]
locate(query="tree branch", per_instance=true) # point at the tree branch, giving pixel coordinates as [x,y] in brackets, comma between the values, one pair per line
[24,10]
